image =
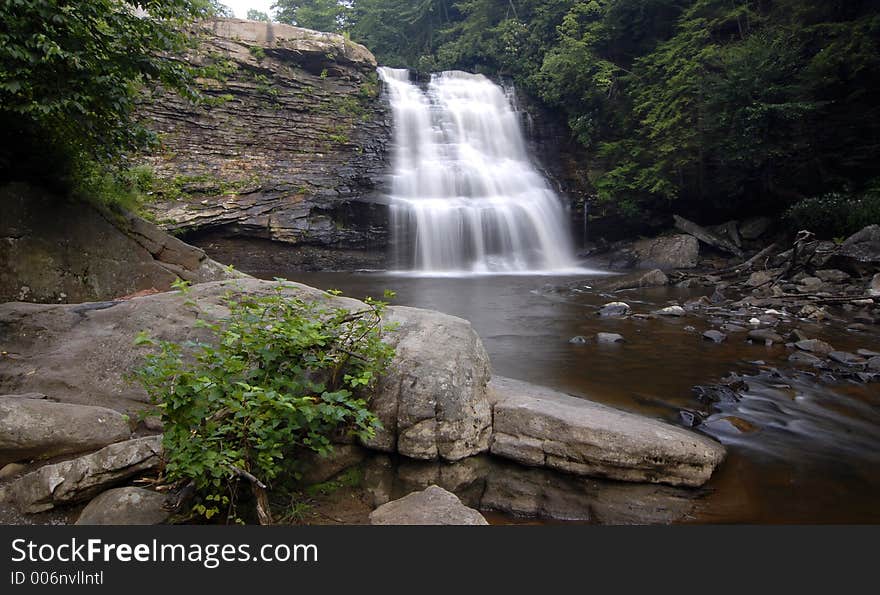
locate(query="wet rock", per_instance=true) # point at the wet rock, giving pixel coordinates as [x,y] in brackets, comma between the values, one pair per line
[690,419]
[541,427]
[668,252]
[733,328]
[874,364]
[433,506]
[754,227]
[609,338]
[715,336]
[863,246]
[125,506]
[676,311]
[578,340]
[82,478]
[614,310]
[832,275]
[811,285]
[766,336]
[874,286]
[867,353]
[690,329]
[759,278]
[636,280]
[718,296]
[698,303]
[715,393]
[814,346]
[801,357]
[39,428]
[798,335]
[849,359]
[730,425]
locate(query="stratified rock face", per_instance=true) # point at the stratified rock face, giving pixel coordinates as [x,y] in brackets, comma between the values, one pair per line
[432,506]
[541,427]
[39,428]
[56,250]
[433,401]
[293,148]
[80,479]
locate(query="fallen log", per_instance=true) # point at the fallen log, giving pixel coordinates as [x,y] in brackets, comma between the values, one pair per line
[706,236]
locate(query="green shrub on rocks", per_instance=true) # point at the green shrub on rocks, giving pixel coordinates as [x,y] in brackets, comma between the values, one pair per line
[279,376]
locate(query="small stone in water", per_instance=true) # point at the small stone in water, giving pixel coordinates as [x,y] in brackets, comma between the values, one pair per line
[671,311]
[842,357]
[801,357]
[814,346]
[578,340]
[689,418]
[715,336]
[609,338]
[766,335]
[754,321]
[615,310]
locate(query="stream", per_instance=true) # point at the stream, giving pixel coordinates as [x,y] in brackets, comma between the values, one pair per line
[800,450]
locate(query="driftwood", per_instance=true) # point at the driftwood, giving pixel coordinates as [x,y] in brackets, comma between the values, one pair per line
[706,236]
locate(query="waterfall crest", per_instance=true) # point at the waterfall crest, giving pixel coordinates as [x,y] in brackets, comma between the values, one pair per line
[465,197]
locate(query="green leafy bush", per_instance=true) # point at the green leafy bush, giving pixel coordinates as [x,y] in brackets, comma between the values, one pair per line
[836,214]
[280,375]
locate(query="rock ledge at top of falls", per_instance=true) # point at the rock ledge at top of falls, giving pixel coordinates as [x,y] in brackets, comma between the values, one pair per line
[288,38]
[293,149]
[432,403]
[541,427]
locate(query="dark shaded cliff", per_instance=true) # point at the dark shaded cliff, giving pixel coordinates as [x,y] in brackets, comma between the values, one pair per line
[292,147]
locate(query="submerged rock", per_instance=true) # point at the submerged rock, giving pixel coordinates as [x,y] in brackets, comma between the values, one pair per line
[125,506]
[578,340]
[39,428]
[849,359]
[541,427]
[432,506]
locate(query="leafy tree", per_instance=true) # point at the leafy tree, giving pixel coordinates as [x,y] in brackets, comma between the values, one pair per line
[278,377]
[320,15]
[258,15]
[70,74]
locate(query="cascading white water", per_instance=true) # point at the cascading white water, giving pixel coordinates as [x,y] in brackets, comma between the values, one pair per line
[465,198]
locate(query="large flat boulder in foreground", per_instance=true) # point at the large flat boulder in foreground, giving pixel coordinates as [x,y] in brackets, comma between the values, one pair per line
[432,403]
[541,427]
[432,506]
[32,426]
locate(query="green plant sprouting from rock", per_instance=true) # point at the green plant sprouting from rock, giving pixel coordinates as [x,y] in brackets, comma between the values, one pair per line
[278,376]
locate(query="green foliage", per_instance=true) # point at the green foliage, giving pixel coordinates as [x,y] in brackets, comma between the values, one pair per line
[258,15]
[836,214]
[279,375]
[320,15]
[70,73]
[257,52]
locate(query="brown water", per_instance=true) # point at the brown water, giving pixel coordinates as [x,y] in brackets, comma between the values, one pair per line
[811,453]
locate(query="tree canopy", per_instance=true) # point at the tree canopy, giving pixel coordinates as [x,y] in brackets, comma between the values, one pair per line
[718,104]
[70,73]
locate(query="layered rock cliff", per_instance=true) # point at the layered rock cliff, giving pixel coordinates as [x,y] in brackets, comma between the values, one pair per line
[291,146]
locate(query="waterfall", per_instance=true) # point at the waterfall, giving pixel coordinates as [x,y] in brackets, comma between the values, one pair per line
[465,197]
